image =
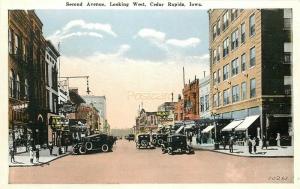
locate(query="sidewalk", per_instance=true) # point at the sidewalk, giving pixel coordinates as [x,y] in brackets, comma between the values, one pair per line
[22,159]
[272,151]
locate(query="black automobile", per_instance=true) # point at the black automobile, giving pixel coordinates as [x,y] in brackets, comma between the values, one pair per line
[143,141]
[176,143]
[97,142]
[158,139]
[130,137]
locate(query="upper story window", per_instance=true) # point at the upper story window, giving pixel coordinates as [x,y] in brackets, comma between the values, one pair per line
[16,44]
[243,91]
[235,93]
[18,87]
[252,88]
[219,76]
[219,53]
[10,41]
[252,57]
[287,85]
[225,72]
[215,78]
[226,99]
[287,18]
[26,88]
[234,14]
[234,67]
[202,104]
[214,32]
[11,83]
[243,32]
[214,56]
[218,27]
[225,47]
[215,100]
[235,39]
[24,55]
[288,49]
[225,20]
[206,102]
[219,99]
[252,24]
[243,62]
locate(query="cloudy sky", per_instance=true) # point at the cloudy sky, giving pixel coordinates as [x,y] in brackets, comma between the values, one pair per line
[132,56]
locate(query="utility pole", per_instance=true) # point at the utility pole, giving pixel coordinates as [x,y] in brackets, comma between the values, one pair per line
[77,77]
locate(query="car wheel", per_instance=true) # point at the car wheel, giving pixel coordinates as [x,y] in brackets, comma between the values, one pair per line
[163,150]
[144,143]
[159,142]
[82,150]
[170,151]
[88,146]
[154,141]
[75,151]
[104,148]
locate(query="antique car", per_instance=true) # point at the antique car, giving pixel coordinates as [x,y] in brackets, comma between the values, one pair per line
[92,143]
[143,141]
[130,137]
[176,143]
[158,139]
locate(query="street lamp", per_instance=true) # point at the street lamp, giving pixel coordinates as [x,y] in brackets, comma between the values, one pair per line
[216,141]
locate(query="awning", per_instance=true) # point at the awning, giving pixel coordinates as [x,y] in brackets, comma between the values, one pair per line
[246,123]
[180,128]
[232,125]
[207,129]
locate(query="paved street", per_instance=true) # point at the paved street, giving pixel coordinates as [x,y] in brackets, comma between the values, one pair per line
[129,165]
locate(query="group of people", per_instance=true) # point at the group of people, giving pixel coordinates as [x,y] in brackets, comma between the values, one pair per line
[35,154]
[230,143]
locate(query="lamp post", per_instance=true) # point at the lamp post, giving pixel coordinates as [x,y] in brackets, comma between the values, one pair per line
[215,141]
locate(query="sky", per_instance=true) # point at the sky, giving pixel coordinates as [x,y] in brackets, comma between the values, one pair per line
[133,57]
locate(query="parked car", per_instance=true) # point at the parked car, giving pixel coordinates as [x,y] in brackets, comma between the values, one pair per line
[97,142]
[176,143]
[143,141]
[130,137]
[158,139]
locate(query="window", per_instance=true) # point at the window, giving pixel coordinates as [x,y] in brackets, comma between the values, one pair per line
[287,18]
[206,102]
[233,14]
[218,27]
[235,93]
[26,88]
[252,56]
[225,20]
[225,47]
[214,32]
[214,56]
[287,53]
[287,85]
[219,53]
[16,44]
[219,99]
[202,104]
[243,91]
[226,97]
[252,25]
[225,72]
[24,56]
[215,100]
[252,88]
[234,39]
[234,67]
[11,83]
[243,62]
[215,78]
[10,42]
[243,33]
[219,76]
[18,87]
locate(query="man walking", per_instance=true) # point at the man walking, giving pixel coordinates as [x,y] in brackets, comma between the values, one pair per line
[250,145]
[12,155]
[50,148]
[231,144]
[37,155]
[31,155]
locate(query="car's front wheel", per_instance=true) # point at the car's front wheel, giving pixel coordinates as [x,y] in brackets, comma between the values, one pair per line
[170,151]
[88,146]
[82,150]
[104,148]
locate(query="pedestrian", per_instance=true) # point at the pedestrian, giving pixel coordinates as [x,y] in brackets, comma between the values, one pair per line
[231,144]
[12,155]
[278,139]
[264,142]
[254,144]
[191,138]
[50,148]
[224,142]
[37,155]
[250,145]
[31,155]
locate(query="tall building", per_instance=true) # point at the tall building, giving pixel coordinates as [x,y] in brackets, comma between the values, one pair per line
[250,66]
[204,95]
[191,100]
[99,102]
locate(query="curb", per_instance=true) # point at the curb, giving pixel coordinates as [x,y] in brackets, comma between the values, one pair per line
[40,164]
[247,156]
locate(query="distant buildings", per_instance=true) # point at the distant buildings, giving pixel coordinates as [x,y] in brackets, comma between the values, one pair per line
[99,102]
[146,122]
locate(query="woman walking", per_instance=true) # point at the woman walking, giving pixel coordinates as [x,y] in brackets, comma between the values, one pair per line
[31,155]
[37,155]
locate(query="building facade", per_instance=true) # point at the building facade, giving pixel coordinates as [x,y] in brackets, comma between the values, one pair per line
[179,109]
[99,102]
[146,121]
[191,100]
[204,95]
[250,68]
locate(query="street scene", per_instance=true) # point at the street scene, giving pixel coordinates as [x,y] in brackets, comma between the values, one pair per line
[197,96]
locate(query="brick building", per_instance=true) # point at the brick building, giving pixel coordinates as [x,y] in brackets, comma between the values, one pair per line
[191,100]
[250,66]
